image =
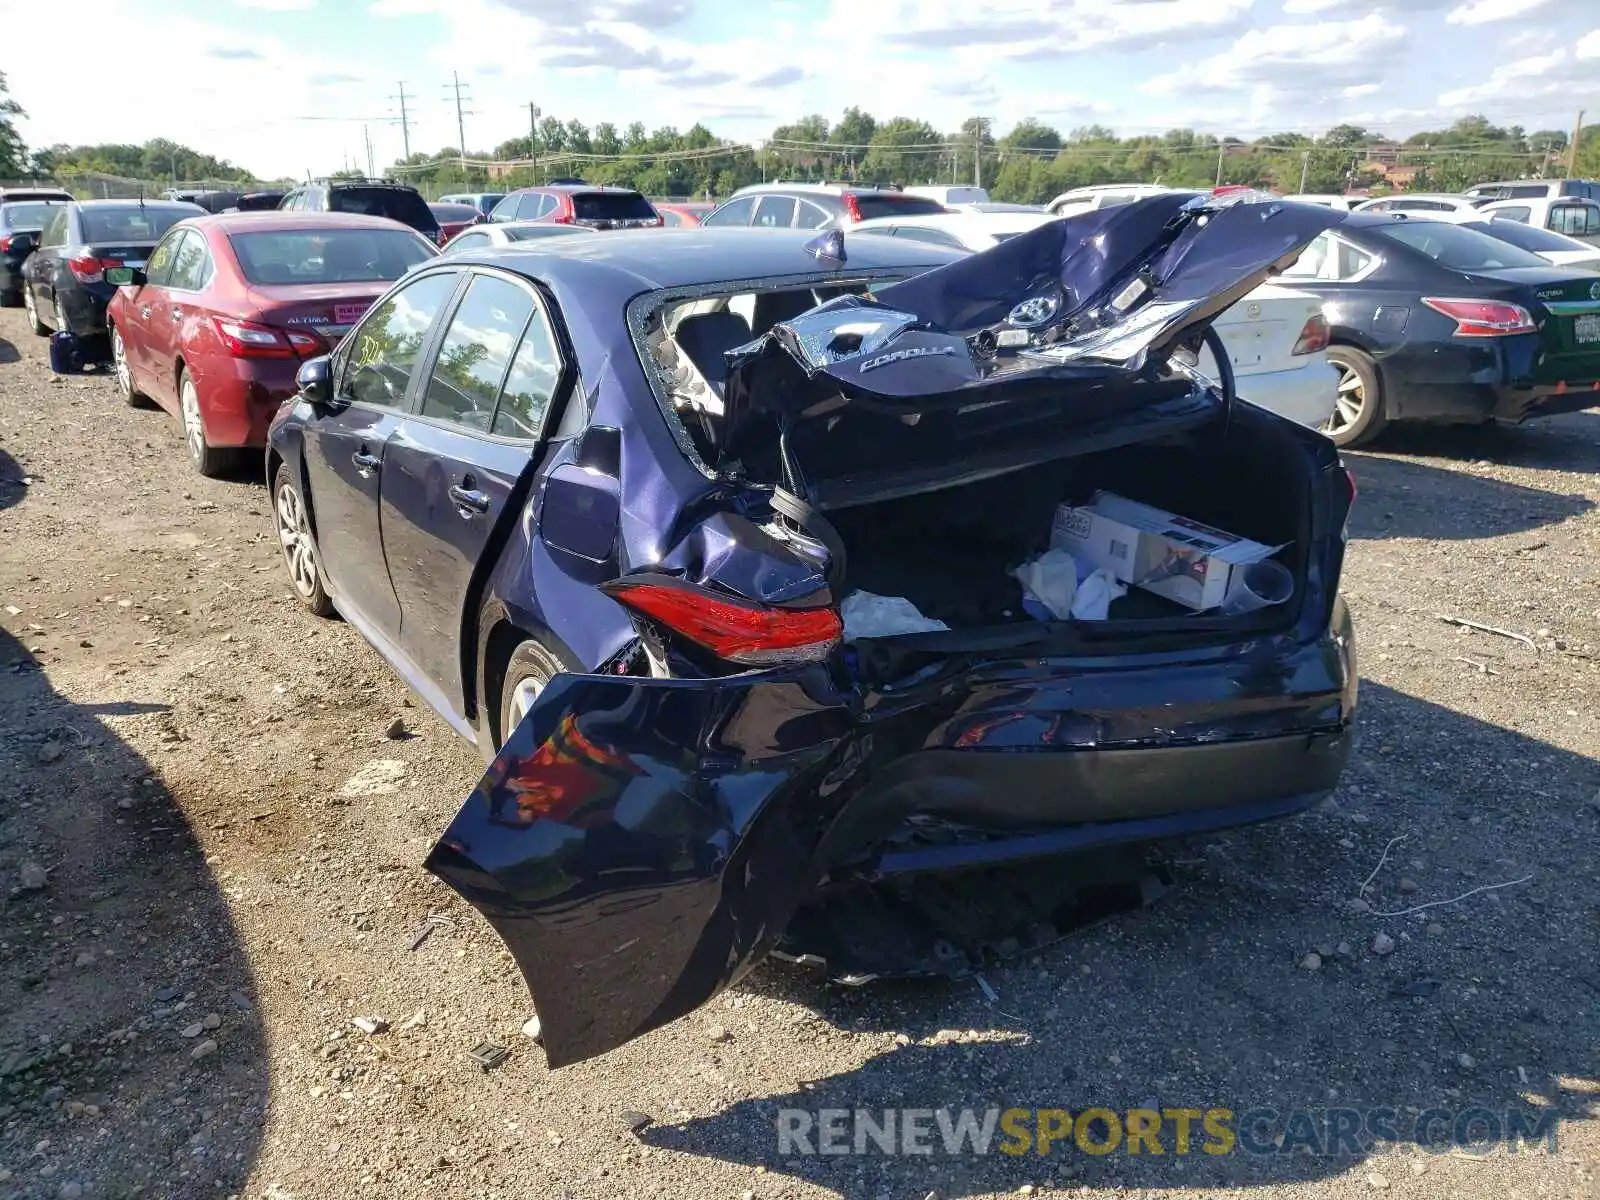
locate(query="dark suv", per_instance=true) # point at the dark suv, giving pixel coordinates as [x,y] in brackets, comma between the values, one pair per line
[816,206]
[371,197]
[20,223]
[579,204]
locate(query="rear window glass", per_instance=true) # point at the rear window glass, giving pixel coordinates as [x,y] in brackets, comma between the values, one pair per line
[528,233]
[26,218]
[1528,237]
[453,212]
[612,206]
[397,204]
[135,223]
[878,205]
[328,256]
[1459,248]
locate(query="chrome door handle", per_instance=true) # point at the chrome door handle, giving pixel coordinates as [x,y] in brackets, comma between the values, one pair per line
[365,463]
[469,501]
[176,314]
[144,311]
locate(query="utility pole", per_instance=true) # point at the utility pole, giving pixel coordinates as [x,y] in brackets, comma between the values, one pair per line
[367,136]
[980,125]
[533,137]
[1222,148]
[461,124]
[1305,165]
[1572,147]
[405,119]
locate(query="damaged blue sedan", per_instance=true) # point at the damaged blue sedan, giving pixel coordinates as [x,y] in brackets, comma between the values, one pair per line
[727,551]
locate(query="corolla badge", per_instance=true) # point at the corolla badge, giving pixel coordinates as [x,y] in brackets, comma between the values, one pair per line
[1034,311]
[894,356]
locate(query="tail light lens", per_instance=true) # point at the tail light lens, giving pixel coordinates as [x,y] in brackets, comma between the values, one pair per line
[5,243]
[86,268]
[247,339]
[732,629]
[851,208]
[1483,318]
[1313,337]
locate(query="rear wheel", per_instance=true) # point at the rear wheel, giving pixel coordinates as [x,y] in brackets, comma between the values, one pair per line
[529,669]
[1359,413]
[10,297]
[207,459]
[299,546]
[38,326]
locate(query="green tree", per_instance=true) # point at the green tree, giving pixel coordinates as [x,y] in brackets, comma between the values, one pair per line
[902,149]
[13,151]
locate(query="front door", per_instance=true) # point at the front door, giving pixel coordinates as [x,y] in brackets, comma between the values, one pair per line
[145,364]
[453,469]
[164,306]
[345,446]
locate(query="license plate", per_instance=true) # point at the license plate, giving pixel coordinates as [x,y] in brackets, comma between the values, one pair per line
[1587,328]
[136,263]
[349,314]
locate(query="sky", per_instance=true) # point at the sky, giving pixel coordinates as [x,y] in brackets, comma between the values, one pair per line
[292,87]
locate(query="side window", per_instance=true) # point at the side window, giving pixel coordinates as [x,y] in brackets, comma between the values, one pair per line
[1379,206]
[506,210]
[775,212]
[734,212]
[383,349]
[55,232]
[475,353]
[532,205]
[1329,259]
[470,241]
[531,384]
[1574,220]
[1519,212]
[191,265]
[159,269]
[811,216]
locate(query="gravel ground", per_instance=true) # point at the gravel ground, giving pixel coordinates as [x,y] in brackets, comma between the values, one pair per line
[194,909]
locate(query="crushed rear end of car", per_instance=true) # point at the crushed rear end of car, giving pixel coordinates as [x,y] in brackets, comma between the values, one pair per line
[755,776]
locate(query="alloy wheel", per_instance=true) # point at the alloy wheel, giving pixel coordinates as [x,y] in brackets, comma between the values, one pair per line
[294,534]
[119,363]
[523,697]
[194,431]
[1349,400]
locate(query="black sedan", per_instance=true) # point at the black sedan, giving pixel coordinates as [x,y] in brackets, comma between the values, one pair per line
[1432,321]
[63,281]
[20,223]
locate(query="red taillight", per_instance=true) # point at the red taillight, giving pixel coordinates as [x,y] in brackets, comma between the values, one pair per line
[1313,337]
[5,243]
[851,208]
[441,237]
[562,218]
[1483,318]
[86,268]
[246,339]
[734,630]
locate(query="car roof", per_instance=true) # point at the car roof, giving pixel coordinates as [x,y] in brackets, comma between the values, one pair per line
[273,218]
[155,202]
[698,255]
[987,221]
[572,187]
[1455,197]
[824,189]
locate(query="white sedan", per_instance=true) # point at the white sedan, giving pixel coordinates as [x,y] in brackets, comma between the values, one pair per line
[1275,335]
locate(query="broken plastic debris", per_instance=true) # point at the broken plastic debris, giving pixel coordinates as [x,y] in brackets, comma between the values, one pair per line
[866,615]
[369,1024]
[488,1055]
[1258,585]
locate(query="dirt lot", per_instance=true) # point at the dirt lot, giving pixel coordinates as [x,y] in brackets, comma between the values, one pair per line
[192,910]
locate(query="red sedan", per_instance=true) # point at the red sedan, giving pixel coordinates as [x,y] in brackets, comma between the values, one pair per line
[215,325]
[683,212]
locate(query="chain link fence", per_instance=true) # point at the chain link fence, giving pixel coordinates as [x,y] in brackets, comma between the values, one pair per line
[94,185]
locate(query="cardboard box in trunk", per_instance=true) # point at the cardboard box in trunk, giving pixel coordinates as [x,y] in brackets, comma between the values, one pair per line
[1150,548]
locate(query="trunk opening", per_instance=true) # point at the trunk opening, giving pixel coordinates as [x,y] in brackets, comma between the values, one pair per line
[951,552]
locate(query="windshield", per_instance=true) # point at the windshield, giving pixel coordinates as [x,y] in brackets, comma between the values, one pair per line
[398,204]
[29,218]
[1528,237]
[879,204]
[328,255]
[612,206]
[1457,247]
[134,222]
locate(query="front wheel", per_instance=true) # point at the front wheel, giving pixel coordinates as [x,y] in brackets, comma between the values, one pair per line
[39,328]
[529,669]
[1359,413]
[299,546]
[130,394]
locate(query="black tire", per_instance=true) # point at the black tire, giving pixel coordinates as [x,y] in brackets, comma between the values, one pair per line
[11,298]
[131,395]
[203,456]
[1356,425]
[530,664]
[305,575]
[39,328]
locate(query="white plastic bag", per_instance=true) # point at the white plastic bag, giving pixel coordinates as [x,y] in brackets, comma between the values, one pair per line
[1050,580]
[1095,595]
[867,615]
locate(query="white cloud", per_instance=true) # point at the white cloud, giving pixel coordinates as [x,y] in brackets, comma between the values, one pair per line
[1306,7]
[1480,12]
[1292,58]
[1558,73]
[1361,89]
[278,5]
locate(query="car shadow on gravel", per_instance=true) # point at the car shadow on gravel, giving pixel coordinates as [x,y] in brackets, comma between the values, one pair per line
[115,939]
[8,353]
[1468,1038]
[1569,442]
[1407,498]
[12,477]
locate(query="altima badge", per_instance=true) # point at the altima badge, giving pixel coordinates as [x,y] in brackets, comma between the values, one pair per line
[1594,291]
[1034,311]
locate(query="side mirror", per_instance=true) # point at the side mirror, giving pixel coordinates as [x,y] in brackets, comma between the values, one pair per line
[315,381]
[126,276]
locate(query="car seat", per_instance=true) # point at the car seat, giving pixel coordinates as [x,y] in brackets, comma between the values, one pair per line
[707,337]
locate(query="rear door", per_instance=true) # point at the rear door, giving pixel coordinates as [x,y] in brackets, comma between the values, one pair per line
[373,373]
[171,309]
[453,469]
[142,307]
[639,844]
